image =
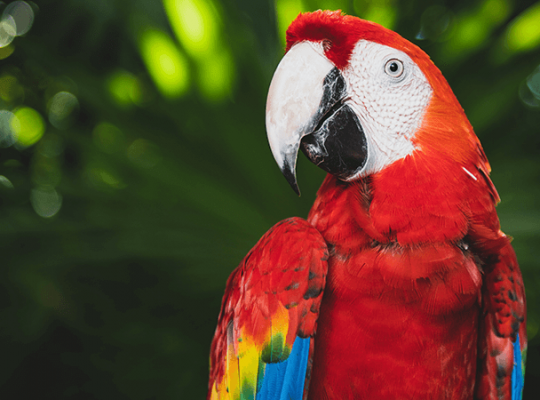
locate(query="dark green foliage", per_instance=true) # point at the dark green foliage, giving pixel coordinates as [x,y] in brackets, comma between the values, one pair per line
[116,295]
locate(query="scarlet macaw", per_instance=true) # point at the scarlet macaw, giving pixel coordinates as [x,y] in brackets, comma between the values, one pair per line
[400,284]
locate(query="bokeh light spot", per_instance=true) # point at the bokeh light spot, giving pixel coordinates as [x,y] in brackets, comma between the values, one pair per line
[103,178]
[380,11]
[384,14]
[143,153]
[46,171]
[6,131]
[125,88]
[532,327]
[194,23]
[166,65]
[469,34]
[51,145]
[216,76]
[108,137]
[286,12]
[495,11]
[526,96]
[8,30]
[28,126]
[473,29]
[12,163]
[109,179]
[63,108]
[10,89]
[46,201]
[435,22]
[529,91]
[524,31]
[533,82]
[22,14]
[5,52]
[5,182]
[329,5]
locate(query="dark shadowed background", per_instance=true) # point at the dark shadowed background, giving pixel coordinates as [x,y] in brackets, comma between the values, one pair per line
[135,172]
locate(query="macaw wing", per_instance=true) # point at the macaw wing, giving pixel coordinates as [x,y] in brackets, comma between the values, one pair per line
[269,313]
[503,341]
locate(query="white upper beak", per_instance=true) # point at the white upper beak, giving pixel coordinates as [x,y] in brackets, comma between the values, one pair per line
[293,99]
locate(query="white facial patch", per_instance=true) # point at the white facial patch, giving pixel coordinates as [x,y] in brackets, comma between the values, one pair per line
[390,105]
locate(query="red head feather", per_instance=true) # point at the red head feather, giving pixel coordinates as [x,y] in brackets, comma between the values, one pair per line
[341,33]
[445,129]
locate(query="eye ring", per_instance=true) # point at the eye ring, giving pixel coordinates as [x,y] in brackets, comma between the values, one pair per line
[394,68]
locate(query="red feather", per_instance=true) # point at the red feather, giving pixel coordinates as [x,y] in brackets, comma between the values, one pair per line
[284,272]
[424,297]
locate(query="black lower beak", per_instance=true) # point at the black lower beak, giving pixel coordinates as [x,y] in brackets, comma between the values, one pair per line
[332,137]
[338,143]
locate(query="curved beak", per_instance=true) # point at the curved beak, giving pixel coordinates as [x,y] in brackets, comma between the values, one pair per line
[293,103]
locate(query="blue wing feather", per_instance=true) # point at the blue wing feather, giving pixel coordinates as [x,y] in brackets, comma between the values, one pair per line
[517,372]
[285,380]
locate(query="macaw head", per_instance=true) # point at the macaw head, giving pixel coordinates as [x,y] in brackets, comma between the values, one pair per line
[356,97]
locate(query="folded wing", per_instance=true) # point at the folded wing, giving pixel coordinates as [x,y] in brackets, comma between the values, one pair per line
[502,343]
[268,316]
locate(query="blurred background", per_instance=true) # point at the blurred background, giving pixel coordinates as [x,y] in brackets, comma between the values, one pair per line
[135,172]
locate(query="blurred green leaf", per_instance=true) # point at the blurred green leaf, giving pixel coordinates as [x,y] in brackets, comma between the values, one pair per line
[139,174]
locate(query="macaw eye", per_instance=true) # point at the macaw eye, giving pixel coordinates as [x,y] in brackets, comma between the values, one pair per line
[394,68]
